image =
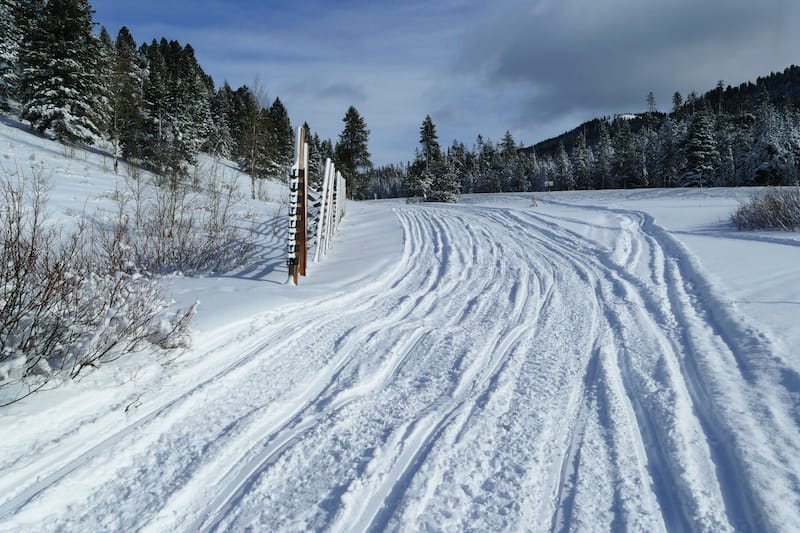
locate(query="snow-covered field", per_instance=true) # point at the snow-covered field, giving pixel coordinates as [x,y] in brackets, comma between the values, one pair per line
[603,361]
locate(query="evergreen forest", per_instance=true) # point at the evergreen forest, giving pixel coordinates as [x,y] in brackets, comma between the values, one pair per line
[153,104]
[730,136]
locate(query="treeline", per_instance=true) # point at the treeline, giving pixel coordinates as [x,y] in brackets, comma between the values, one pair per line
[153,102]
[734,136]
[441,175]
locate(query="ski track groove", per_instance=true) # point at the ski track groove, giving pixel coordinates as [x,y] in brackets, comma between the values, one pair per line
[676,499]
[469,387]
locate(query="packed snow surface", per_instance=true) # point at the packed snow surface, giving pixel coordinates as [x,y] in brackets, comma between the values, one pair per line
[601,361]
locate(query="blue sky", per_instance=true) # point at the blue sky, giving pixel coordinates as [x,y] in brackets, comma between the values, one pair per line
[535,67]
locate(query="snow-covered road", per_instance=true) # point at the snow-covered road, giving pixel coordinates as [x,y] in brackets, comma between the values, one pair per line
[512,371]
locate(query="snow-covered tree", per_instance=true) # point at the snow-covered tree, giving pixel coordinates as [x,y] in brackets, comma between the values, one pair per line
[667,156]
[701,152]
[248,128]
[352,154]
[177,113]
[127,85]
[511,175]
[10,39]
[419,177]
[430,151]
[770,157]
[431,176]
[565,179]
[580,162]
[220,141]
[605,159]
[281,135]
[105,80]
[59,87]
[629,169]
[445,185]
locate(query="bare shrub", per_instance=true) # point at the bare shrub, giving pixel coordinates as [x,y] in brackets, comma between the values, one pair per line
[63,309]
[159,230]
[777,208]
[281,213]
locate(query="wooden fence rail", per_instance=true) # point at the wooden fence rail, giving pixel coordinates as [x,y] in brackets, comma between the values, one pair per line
[326,212]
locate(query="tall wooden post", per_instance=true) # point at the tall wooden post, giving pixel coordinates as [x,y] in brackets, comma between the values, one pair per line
[302,212]
[298,212]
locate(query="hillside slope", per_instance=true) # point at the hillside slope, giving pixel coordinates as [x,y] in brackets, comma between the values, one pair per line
[489,366]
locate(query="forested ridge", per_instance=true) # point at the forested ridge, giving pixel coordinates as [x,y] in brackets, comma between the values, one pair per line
[729,136]
[153,103]
[156,107]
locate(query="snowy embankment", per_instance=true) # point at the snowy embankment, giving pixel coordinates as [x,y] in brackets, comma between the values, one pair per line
[615,361]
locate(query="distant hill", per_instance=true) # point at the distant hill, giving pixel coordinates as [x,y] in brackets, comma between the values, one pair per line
[783,88]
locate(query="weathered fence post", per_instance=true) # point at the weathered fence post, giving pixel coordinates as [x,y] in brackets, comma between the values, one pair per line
[324,208]
[304,178]
[298,211]
[331,210]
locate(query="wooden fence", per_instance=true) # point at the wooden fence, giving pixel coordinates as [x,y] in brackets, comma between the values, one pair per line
[314,216]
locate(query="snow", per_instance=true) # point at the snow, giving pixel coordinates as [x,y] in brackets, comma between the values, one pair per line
[617,360]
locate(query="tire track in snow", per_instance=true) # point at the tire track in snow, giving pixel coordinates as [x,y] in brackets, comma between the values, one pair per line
[475,383]
[331,398]
[733,429]
[650,383]
[507,374]
[436,469]
[470,381]
[255,355]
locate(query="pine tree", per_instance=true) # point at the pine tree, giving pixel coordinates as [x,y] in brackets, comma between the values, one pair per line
[326,150]
[192,92]
[281,135]
[533,170]
[10,40]
[419,177]
[220,141]
[352,155]
[431,176]
[628,162]
[496,179]
[667,155]
[126,95]
[429,140]
[769,156]
[469,170]
[742,153]
[105,78]
[457,157]
[244,123]
[262,160]
[177,115]
[605,159]
[486,166]
[652,110]
[154,139]
[580,162]
[59,87]
[677,105]
[511,175]
[445,184]
[701,152]
[28,15]
[566,177]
